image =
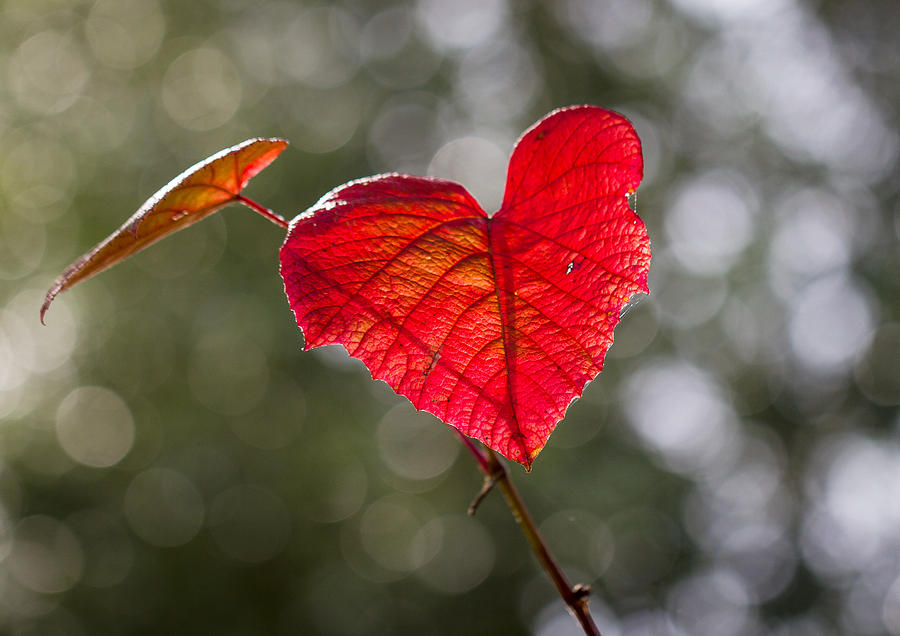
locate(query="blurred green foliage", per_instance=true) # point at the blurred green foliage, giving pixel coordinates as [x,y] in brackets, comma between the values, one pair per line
[171,462]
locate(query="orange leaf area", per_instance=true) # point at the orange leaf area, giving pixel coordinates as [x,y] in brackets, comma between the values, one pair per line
[190,197]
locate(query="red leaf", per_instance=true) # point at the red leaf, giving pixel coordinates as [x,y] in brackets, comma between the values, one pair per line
[494,324]
[191,196]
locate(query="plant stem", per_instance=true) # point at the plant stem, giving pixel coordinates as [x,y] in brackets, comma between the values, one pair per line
[476,453]
[277,219]
[575,598]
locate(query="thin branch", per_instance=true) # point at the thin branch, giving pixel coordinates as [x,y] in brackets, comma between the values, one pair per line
[277,219]
[476,452]
[495,474]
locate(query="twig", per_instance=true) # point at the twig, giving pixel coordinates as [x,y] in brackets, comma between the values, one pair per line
[495,473]
[277,219]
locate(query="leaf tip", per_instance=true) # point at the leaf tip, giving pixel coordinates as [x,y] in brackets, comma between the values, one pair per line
[51,294]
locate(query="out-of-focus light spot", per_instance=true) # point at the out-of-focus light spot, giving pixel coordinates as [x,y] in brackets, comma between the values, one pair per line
[249,523]
[710,224]
[390,533]
[10,399]
[465,557]
[255,41]
[684,301]
[805,625]
[749,486]
[22,246]
[499,81]
[140,361]
[878,373]
[734,10]
[656,56]
[125,34]
[209,469]
[393,54]
[415,445]
[184,253]
[763,557]
[576,534]
[476,163]
[108,551]
[890,611]
[47,72]
[647,544]
[741,323]
[719,104]
[12,375]
[554,620]
[651,621]
[333,489]
[386,33]
[94,426]
[461,24]
[277,420]
[163,507]
[681,413]
[814,236]
[854,521]
[46,557]
[406,133]
[326,591]
[831,324]
[318,47]
[740,515]
[37,349]
[228,374]
[6,533]
[862,605]
[813,108]
[862,610]
[24,351]
[102,121]
[711,602]
[324,120]
[201,89]
[608,25]
[37,177]
[778,62]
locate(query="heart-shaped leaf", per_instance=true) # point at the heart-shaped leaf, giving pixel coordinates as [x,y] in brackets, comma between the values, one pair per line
[493,324]
[190,197]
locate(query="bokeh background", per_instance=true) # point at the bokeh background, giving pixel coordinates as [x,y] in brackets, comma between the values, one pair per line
[171,462]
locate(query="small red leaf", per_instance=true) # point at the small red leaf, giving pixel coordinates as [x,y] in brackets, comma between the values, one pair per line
[494,324]
[190,197]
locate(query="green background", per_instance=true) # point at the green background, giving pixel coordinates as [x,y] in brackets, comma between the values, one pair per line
[171,462]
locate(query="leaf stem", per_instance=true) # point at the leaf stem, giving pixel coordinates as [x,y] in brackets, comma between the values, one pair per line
[495,473]
[277,219]
[476,452]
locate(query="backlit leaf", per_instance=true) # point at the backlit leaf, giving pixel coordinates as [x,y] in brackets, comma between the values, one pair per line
[494,324]
[190,197]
